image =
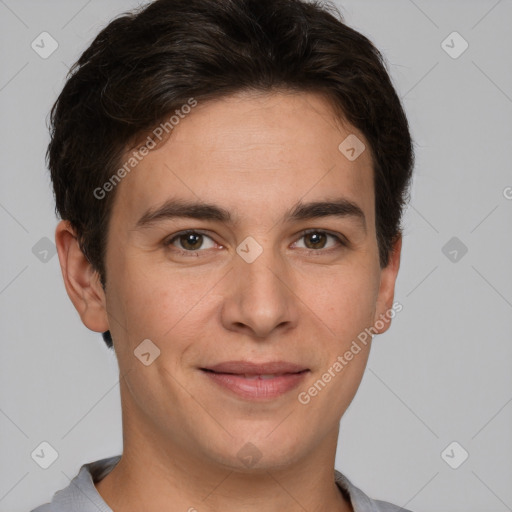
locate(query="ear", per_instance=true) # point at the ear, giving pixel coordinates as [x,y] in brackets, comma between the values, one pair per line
[82,282]
[386,293]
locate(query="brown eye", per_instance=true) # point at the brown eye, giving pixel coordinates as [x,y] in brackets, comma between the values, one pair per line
[317,240]
[190,241]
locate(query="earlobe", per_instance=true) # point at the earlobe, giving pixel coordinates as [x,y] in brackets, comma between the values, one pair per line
[386,294]
[80,279]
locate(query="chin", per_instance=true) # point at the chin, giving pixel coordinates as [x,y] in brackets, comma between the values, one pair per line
[257,451]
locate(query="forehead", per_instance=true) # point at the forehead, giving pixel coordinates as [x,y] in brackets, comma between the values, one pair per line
[252,151]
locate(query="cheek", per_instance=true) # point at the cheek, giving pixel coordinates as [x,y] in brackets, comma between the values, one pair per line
[343,300]
[346,304]
[156,304]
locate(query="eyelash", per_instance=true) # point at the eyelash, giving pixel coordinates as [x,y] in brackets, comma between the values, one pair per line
[341,241]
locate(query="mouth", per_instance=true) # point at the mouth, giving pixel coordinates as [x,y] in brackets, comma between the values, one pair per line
[260,382]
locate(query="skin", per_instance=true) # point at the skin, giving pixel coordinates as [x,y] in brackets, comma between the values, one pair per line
[256,155]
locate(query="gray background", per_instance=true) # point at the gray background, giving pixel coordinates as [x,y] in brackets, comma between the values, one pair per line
[442,373]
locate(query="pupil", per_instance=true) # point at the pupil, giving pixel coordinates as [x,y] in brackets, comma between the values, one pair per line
[317,236]
[189,240]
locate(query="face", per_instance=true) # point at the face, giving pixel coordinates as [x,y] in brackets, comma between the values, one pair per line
[261,277]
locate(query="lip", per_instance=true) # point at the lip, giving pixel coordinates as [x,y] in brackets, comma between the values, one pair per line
[250,368]
[244,378]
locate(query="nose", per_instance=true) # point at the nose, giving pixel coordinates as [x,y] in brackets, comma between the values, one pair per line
[259,299]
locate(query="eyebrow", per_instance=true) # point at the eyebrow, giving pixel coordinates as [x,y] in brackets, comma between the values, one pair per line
[174,208]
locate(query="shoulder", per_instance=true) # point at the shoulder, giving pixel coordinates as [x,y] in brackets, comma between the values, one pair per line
[81,494]
[360,501]
[384,506]
[43,508]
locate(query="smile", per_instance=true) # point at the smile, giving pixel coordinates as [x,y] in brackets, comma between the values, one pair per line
[260,382]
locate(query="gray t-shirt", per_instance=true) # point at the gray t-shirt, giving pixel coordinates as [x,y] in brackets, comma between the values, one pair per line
[81,494]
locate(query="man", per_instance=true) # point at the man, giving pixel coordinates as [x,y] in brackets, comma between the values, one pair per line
[231,176]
